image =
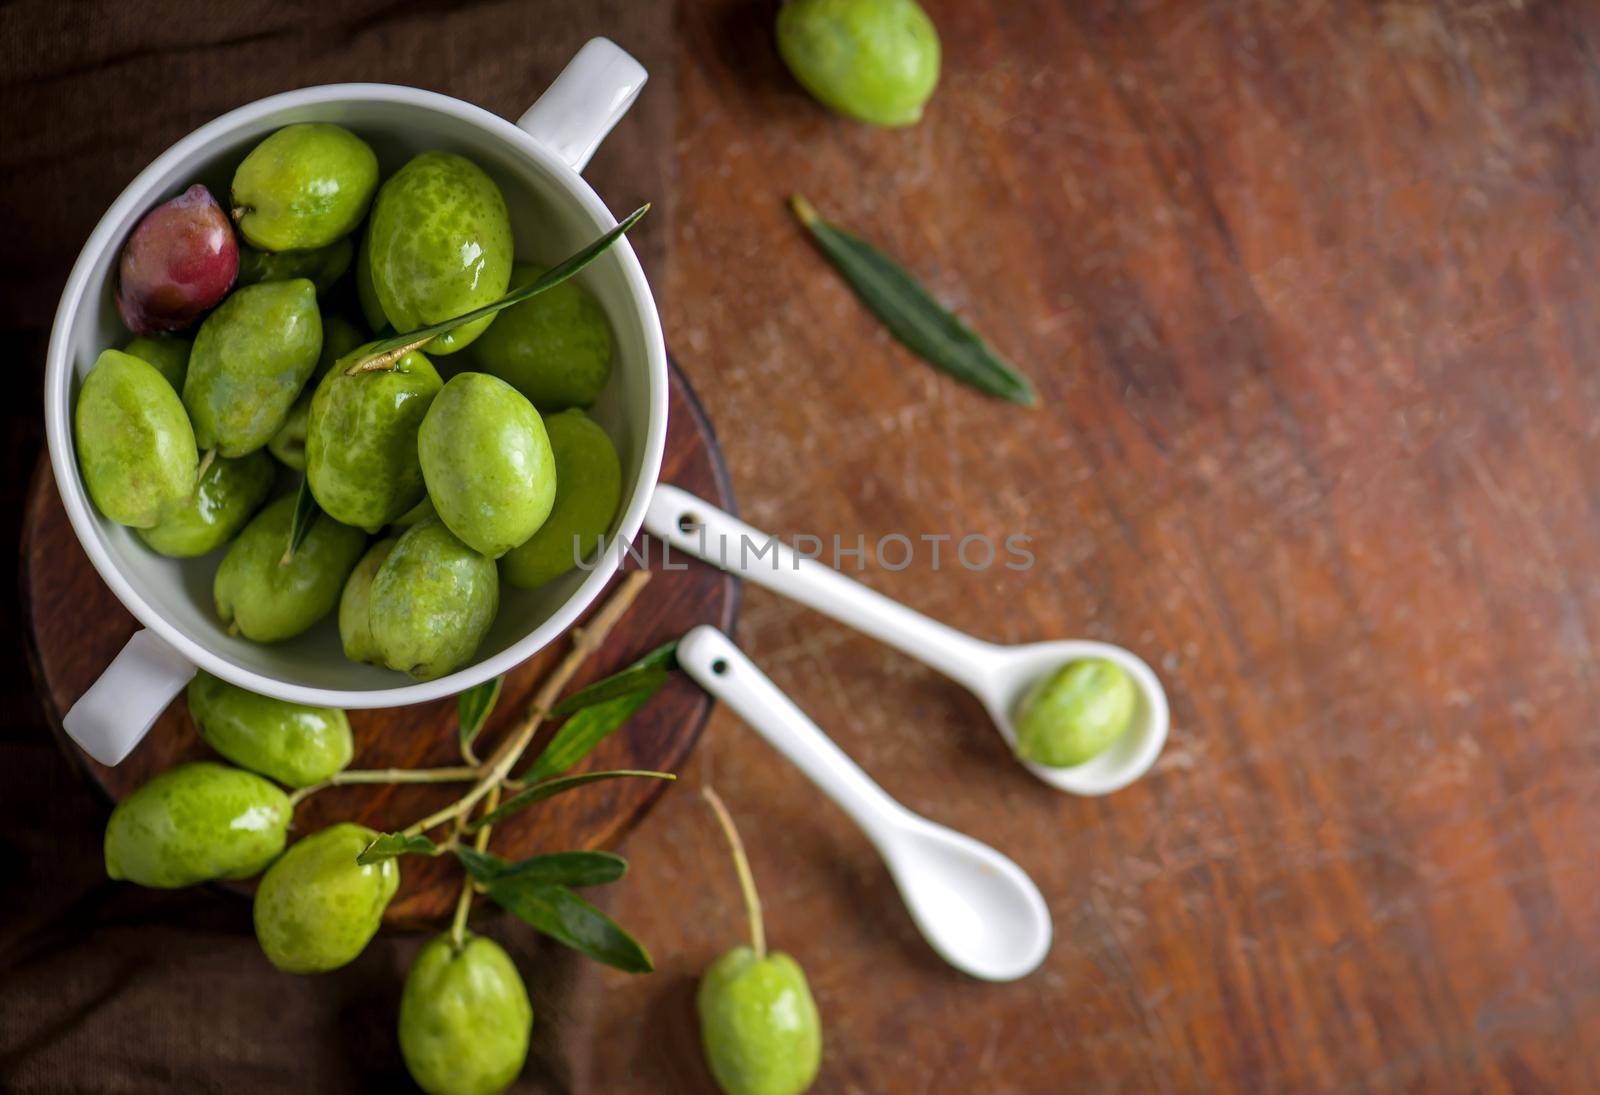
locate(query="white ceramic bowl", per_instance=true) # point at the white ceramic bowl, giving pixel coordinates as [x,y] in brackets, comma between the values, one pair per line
[554,213]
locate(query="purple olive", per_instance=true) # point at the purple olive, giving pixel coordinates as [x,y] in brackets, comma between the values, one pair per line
[179,263]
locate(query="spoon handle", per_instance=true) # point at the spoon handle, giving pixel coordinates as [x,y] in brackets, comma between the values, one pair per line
[723,670]
[698,528]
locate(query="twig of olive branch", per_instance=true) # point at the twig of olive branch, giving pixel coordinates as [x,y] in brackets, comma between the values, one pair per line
[585,641]
[458,926]
[458,774]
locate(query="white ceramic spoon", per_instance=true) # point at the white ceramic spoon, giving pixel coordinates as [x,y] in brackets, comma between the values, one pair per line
[979,910]
[998,675]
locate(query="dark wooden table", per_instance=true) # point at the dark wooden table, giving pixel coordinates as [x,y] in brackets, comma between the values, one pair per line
[1310,295]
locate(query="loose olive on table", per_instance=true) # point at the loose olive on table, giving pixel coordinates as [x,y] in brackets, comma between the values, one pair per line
[293,743]
[465,1018]
[317,908]
[196,823]
[873,60]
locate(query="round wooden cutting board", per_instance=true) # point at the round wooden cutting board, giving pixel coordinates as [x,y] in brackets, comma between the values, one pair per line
[76,626]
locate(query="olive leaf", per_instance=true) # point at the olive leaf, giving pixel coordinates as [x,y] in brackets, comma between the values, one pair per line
[556,911]
[911,313]
[306,512]
[386,351]
[473,708]
[645,675]
[390,845]
[548,788]
[593,721]
[550,869]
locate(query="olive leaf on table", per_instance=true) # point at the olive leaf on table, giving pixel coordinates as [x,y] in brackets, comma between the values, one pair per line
[910,312]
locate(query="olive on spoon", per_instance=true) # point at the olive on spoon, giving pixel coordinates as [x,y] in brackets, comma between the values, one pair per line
[1000,676]
[976,908]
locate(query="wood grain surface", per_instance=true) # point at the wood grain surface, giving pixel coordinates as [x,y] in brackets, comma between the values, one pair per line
[61,588]
[1309,292]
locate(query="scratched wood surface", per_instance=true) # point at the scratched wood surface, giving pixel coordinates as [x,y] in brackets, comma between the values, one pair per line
[1309,292]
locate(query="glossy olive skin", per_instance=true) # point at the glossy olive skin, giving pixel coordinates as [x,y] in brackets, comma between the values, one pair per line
[361,440]
[292,743]
[1076,713]
[322,266]
[759,1024]
[439,244]
[317,908]
[554,348]
[304,187]
[487,462]
[432,602]
[268,600]
[873,60]
[195,823]
[355,621]
[250,360]
[226,497]
[588,488]
[465,1018]
[135,448]
[339,337]
[168,353]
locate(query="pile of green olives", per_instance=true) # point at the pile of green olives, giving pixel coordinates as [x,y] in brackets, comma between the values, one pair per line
[240,379]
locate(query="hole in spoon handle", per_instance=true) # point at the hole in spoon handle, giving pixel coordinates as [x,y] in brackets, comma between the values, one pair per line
[764,707]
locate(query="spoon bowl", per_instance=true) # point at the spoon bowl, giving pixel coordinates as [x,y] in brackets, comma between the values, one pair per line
[1002,682]
[977,908]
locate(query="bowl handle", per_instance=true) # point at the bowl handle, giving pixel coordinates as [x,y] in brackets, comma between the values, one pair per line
[590,96]
[119,708]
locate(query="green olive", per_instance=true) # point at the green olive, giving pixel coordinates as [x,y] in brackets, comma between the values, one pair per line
[588,488]
[317,908]
[196,823]
[759,1024]
[464,1018]
[554,348]
[355,621]
[304,187]
[293,743]
[1076,713]
[432,601]
[227,496]
[873,60]
[267,599]
[135,448]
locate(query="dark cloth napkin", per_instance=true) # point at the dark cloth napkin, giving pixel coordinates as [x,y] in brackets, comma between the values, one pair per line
[104,987]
